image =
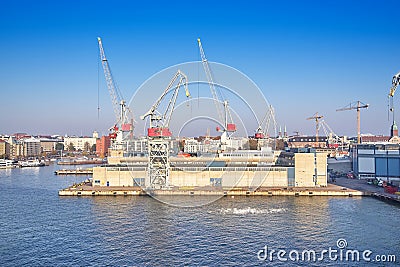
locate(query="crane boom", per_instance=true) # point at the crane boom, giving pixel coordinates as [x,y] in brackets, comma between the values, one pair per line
[158,121]
[358,105]
[223,116]
[116,97]
[395,83]
[123,115]
[210,81]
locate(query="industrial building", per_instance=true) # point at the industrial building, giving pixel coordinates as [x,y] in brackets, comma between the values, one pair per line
[380,161]
[310,170]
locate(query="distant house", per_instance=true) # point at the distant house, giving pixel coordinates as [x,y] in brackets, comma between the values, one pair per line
[307,141]
[102,145]
[4,149]
[373,139]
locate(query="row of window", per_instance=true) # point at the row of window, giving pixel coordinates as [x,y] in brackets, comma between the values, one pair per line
[253,169]
[197,169]
[213,182]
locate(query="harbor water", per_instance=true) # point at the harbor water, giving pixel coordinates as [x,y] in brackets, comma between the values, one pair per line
[39,228]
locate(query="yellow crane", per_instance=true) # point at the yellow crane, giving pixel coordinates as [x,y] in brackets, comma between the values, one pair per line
[358,105]
[395,83]
[316,117]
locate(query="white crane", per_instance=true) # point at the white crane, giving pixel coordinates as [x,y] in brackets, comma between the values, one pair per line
[264,125]
[124,117]
[159,122]
[158,134]
[224,116]
[333,139]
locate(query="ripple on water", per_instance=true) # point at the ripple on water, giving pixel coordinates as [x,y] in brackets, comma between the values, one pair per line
[38,228]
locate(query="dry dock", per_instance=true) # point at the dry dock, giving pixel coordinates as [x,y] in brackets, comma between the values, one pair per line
[86,189]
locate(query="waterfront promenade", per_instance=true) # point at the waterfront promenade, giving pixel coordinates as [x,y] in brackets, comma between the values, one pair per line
[367,189]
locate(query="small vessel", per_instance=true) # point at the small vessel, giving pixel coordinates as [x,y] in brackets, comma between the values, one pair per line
[80,161]
[6,164]
[31,163]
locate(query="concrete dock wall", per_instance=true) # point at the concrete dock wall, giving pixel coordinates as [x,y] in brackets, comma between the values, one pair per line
[180,177]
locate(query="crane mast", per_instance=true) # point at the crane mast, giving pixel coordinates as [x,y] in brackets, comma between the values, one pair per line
[316,117]
[123,115]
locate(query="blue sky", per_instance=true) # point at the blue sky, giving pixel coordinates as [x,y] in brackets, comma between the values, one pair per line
[306,56]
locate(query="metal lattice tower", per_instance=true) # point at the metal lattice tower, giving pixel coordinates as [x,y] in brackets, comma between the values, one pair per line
[158,163]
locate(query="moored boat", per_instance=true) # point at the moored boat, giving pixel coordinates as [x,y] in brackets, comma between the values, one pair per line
[31,163]
[6,164]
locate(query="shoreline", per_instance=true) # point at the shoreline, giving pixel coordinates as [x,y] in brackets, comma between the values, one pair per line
[369,190]
[343,187]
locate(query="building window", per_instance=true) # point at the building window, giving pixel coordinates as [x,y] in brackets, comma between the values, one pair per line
[216,181]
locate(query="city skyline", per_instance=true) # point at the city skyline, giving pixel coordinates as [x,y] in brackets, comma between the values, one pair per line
[306,57]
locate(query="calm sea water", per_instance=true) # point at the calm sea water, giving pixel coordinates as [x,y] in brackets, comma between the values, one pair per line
[39,228]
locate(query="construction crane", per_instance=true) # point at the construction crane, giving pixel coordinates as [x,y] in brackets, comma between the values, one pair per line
[224,115]
[358,105]
[395,84]
[333,139]
[158,134]
[124,117]
[316,117]
[263,127]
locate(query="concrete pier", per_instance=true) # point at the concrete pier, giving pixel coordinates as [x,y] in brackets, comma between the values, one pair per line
[85,189]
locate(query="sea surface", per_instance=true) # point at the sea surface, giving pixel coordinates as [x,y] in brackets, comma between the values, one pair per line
[39,228]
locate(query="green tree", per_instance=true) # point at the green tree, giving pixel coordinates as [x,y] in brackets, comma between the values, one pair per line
[86,146]
[93,148]
[253,144]
[59,146]
[71,147]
